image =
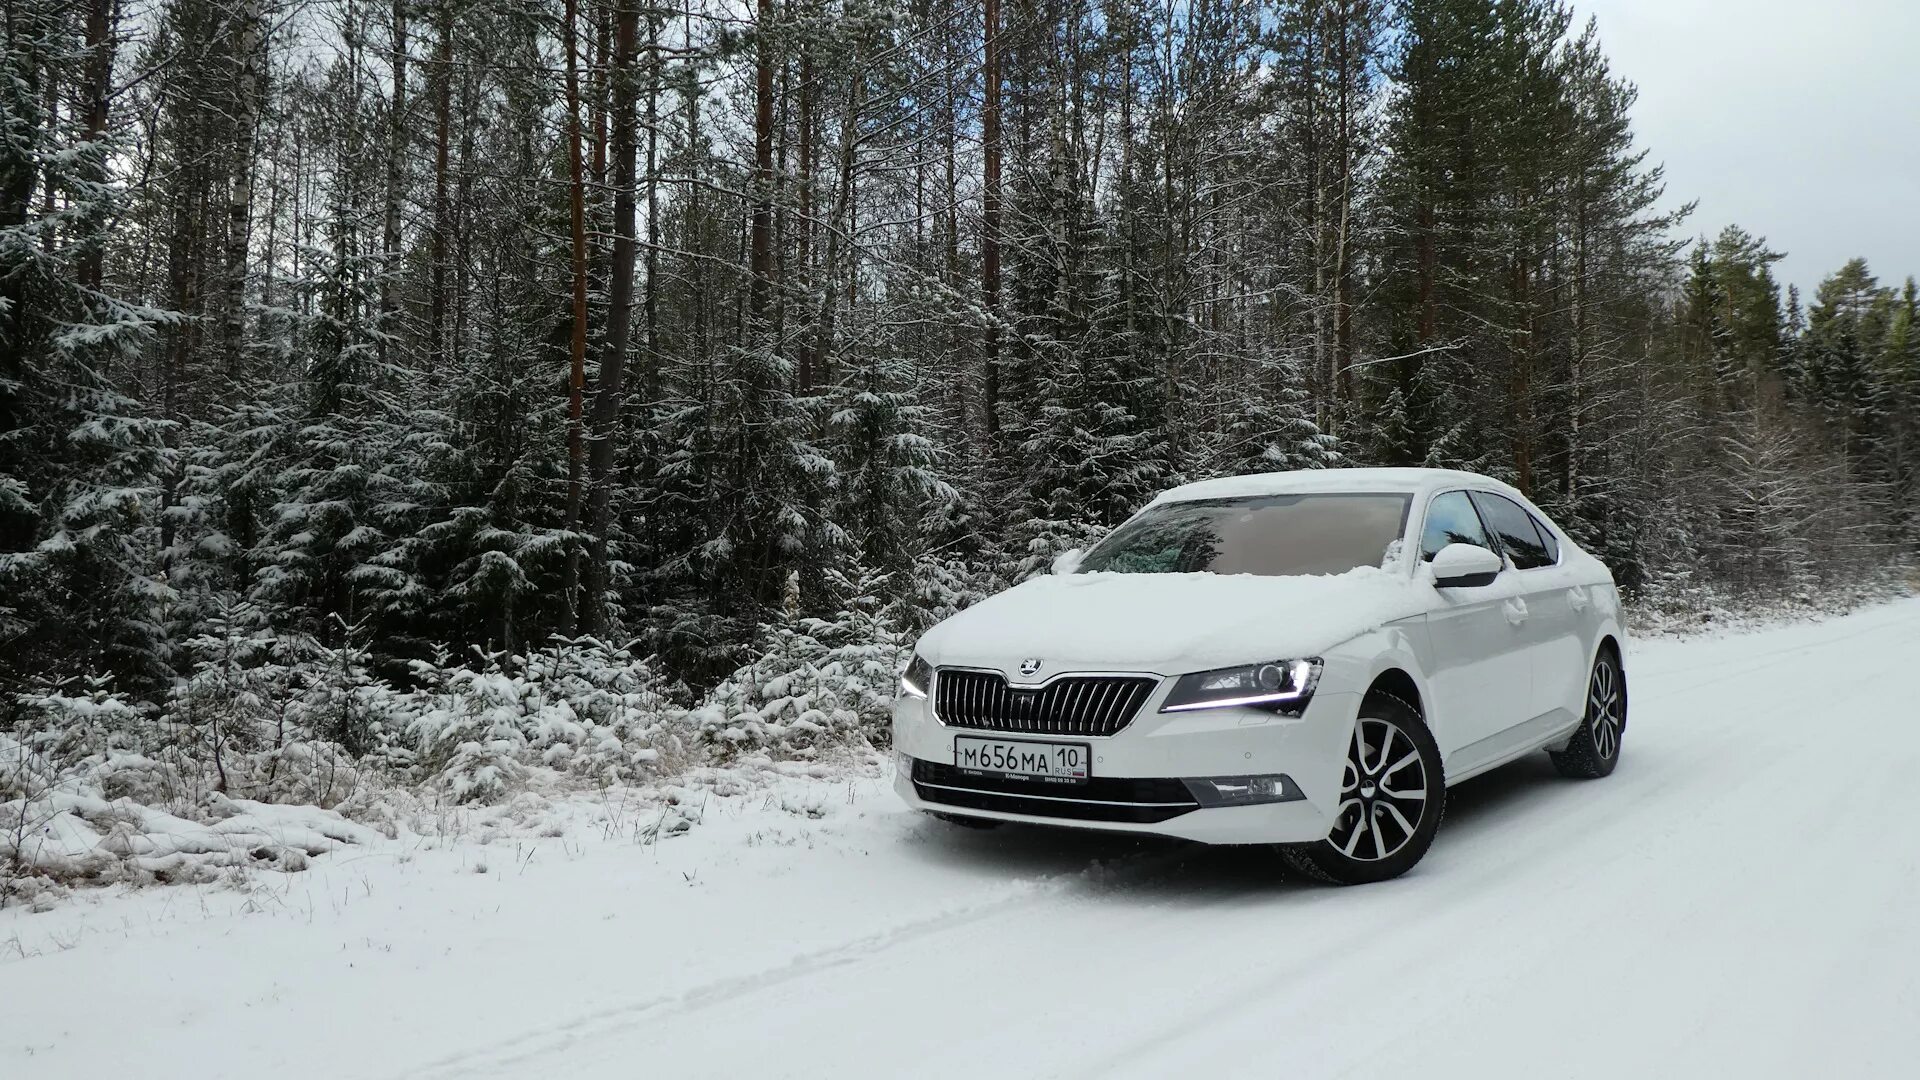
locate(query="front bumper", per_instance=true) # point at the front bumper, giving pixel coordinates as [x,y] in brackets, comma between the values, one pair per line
[1158,750]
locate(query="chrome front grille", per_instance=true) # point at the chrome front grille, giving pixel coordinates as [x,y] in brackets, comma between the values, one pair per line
[1073,705]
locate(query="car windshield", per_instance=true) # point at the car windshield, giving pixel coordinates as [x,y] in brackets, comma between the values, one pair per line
[1270,535]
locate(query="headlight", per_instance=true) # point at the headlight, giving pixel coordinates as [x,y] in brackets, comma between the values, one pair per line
[917,678]
[1279,685]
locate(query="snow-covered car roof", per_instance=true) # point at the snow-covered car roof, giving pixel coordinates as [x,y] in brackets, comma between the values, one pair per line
[1412,481]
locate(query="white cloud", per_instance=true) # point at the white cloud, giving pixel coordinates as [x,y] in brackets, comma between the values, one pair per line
[1799,121]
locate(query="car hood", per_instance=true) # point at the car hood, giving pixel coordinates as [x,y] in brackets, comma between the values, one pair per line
[1169,623]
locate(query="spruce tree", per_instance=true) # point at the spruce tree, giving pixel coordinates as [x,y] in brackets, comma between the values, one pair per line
[80,461]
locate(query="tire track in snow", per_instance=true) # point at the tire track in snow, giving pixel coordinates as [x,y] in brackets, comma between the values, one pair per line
[597,1024]
[602,1023]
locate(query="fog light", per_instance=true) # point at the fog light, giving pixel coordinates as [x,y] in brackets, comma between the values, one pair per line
[1244,790]
[903,765]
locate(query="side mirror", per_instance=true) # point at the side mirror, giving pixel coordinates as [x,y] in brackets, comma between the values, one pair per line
[1068,561]
[1464,566]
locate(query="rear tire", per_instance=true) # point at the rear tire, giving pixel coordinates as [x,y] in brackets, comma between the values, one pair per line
[1393,793]
[1594,749]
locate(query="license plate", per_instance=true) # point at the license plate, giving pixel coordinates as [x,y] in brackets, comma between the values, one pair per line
[1061,763]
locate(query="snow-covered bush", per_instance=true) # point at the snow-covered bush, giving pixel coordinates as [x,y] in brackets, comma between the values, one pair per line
[818,684]
[93,788]
[70,834]
[63,727]
[468,730]
[238,767]
[273,715]
[626,722]
[578,707]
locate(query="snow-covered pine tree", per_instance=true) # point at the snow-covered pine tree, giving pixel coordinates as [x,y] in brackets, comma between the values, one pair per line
[1901,365]
[482,558]
[349,481]
[1847,328]
[888,477]
[1270,426]
[80,461]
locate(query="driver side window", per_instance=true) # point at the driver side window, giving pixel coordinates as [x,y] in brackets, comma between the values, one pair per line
[1451,519]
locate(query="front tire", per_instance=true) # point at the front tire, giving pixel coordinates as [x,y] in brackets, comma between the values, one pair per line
[1594,749]
[1393,792]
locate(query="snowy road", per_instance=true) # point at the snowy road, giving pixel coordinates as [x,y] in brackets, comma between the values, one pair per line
[1741,898]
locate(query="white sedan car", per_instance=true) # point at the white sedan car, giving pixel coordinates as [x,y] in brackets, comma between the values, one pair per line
[1303,659]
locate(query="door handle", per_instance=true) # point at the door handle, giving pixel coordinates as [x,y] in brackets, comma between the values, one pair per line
[1516,610]
[1577,598]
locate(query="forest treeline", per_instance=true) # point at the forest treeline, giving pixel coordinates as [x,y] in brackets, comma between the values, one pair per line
[423,325]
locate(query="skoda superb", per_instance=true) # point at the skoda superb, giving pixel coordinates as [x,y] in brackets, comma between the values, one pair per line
[1305,660]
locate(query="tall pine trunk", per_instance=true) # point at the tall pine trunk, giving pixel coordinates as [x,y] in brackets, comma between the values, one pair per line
[839,224]
[803,258]
[760,288]
[396,144]
[577,344]
[249,48]
[1350,71]
[95,90]
[437,299]
[611,383]
[990,226]
[655,70]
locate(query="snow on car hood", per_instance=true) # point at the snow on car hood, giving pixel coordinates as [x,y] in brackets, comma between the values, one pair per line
[1169,623]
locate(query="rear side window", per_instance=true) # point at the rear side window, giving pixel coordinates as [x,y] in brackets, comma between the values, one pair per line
[1451,520]
[1547,537]
[1515,529]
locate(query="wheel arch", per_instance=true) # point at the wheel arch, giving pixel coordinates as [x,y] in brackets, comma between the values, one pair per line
[1610,643]
[1396,681]
[1391,659]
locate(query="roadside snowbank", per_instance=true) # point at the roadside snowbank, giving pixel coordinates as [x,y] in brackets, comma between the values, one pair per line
[96,789]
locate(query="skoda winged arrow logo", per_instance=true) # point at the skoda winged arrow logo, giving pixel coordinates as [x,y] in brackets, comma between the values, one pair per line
[1030,665]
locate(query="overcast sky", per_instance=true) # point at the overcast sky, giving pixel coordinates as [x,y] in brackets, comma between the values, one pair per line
[1798,120]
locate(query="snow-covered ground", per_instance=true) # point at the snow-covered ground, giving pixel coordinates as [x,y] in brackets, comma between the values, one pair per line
[1742,898]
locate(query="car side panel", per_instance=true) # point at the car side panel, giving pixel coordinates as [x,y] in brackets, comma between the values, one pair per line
[1585,609]
[1481,670]
[1557,607]
[1603,620]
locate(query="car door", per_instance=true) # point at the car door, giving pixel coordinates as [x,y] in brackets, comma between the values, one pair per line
[1550,623]
[1560,683]
[1481,679]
